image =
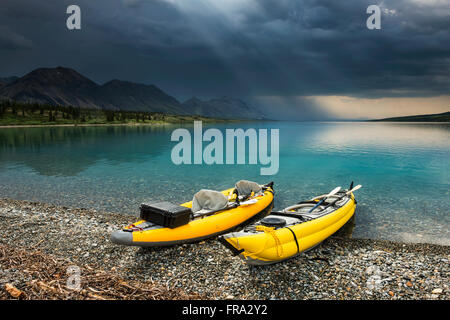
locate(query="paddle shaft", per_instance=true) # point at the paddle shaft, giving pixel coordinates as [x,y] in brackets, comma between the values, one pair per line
[318,204]
[340,198]
[324,198]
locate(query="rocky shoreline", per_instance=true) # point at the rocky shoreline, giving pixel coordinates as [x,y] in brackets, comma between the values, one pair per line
[339,268]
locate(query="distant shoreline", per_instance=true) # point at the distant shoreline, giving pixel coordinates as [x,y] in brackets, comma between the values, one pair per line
[209,121]
[21,115]
[131,124]
[84,125]
[438,117]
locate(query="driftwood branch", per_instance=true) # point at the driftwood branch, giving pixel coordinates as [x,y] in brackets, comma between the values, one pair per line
[49,280]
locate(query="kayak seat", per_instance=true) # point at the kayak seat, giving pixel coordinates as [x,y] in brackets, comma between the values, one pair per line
[206,201]
[245,188]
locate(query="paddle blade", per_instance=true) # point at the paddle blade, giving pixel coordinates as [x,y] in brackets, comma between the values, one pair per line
[355,188]
[333,192]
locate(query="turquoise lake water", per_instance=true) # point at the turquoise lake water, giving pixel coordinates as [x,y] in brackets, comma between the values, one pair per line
[404,169]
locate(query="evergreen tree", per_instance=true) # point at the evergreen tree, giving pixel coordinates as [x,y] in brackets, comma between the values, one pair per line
[109,115]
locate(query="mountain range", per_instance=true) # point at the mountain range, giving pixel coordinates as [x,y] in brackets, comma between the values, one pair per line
[4,81]
[65,86]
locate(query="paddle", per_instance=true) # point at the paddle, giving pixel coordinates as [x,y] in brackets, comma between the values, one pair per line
[340,198]
[333,192]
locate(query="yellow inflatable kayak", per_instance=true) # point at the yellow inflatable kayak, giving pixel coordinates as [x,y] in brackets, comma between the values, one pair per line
[211,213]
[283,235]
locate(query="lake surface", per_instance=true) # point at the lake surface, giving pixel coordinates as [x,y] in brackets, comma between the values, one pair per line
[404,169]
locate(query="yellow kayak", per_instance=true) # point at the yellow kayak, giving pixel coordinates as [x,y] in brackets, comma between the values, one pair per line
[155,229]
[283,235]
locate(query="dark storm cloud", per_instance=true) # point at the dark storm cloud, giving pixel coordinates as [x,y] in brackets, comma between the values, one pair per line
[253,49]
[9,40]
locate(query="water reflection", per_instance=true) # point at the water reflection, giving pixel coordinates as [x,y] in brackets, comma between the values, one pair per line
[67,151]
[347,229]
[405,135]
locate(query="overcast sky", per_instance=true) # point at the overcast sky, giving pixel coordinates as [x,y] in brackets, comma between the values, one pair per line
[302,58]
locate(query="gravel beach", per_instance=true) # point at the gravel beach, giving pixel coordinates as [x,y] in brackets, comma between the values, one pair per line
[339,268]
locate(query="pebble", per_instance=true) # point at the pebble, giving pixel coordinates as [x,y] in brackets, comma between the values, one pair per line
[356,268]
